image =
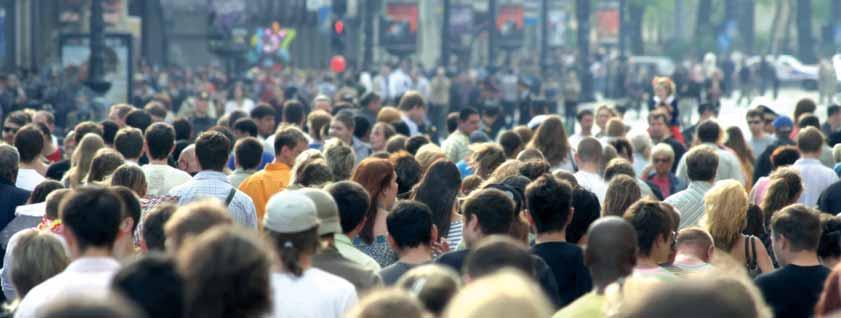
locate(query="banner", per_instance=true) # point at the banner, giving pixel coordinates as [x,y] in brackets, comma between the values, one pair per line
[75,52]
[399,28]
[607,23]
[510,26]
[462,21]
[556,29]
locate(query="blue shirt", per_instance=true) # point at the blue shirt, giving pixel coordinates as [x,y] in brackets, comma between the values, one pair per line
[266,158]
[214,184]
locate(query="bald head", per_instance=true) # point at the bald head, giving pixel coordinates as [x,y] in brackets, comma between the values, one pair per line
[611,250]
[187,160]
[719,297]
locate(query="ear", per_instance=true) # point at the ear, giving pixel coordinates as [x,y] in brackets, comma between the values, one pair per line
[391,242]
[126,225]
[527,215]
[569,217]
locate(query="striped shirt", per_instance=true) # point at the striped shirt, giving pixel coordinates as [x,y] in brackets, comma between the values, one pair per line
[690,202]
[214,184]
[454,236]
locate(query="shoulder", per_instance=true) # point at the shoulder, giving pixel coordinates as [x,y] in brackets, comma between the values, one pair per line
[335,282]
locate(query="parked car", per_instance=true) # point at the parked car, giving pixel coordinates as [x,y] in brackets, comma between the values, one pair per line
[661,65]
[790,70]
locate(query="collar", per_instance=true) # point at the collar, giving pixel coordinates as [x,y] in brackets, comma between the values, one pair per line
[341,239]
[244,171]
[93,264]
[35,209]
[807,161]
[701,186]
[669,99]
[211,175]
[276,166]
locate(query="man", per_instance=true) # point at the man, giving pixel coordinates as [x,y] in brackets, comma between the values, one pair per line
[52,151]
[152,238]
[707,111]
[328,258]
[191,220]
[585,121]
[118,113]
[322,102]
[10,196]
[456,145]
[412,112]
[380,83]
[246,127]
[695,249]
[160,176]
[29,142]
[247,153]
[729,166]
[588,159]
[439,98]
[91,218]
[129,142]
[611,255]
[782,129]
[759,141]
[264,116]
[288,144]
[654,238]
[399,82]
[353,202]
[701,163]
[212,150]
[370,104]
[549,204]
[793,289]
[658,129]
[187,160]
[662,158]
[342,127]
[411,234]
[833,120]
[816,177]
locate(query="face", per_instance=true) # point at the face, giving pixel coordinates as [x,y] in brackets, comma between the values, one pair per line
[657,128]
[587,122]
[69,147]
[115,117]
[378,138]
[835,119]
[323,105]
[661,92]
[389,194]
[769,126]
[755,124]
[418,114]
[470,125]
[42,119]
[603,117]
[291,154]
[339,130]
[265,125]
[9,131]
[201,106]
[662,164]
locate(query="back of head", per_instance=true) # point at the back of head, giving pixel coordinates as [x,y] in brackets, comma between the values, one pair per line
[615,127]
[353,202]
[511,143]
[340,158]
[618,166]
[42,190]
[830,243]
[93,216]
[784,156]
[701,163]
[86,127]
[386,303]
[810,140]
[129,142]
[37,256]
[495,253]
[784,188]
[587,210]
[501,295]
[160,140]
[396,143]
[139,119]
[313,173]
[534,169]
[153,283]
[104,162]
[725,212]
[408,171]
[721,297]
[183,129]
[212,150]
[622,192]
[415,142]
[88,307]
[800,225]
[193,219]
[153,226]
[493,209]
[54,201]
[427,155]
[434,285]
[410,100]
[248,153]
[611,249]
[548,201]
[589,150]
[9,161]
[551,139]
[695,241]
[29,140]
[708,131]
[293,112]
[410,225]
[651,222]
[246,126]
[109,131]
[486,157]
[132,177]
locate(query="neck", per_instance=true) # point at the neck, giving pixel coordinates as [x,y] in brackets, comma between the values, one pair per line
[95,252]
[558,236]
[758,134]
[283,161]
[587,131]
[34,164]
[803,258]
[588,167]
[158,161]
[810,155]
[416,255]
[646,262]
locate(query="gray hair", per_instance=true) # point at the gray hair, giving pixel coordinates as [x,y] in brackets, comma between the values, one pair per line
[9,160]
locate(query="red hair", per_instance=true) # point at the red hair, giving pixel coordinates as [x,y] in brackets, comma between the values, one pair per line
[830,301]
[375,175]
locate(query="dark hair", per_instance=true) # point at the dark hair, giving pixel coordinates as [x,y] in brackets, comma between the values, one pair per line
[139,119]
[248,153]
[511,143]
[401,128]
[153,226]
[129,142]
[361,127]
[549,202]
[183,129]
[618,166]
[465,113]
[415,142]
[410,100]
[93,215]
[830,242]
[701,163]
[246,125]
[109,131]
[497,252]
[262,111]
[708,131]
[85,128]
[756,112]
[293,112]
[352,200]
[804,105]
[784,156]
[587,210]
[153,283]
[288,137]
[79,306]
[290,247]
[367,98]
[410,224]
[160,139]
[212,150]
[131,205]
[408,171]
[810,140]
[800,225]
[19,118]
[623,147]
[494,210]
[808,120]
[346,118]
[581,114]
[42,190]
[452,122]
[29,140]
[755,222]
[227,132]
[155,108]
[314,173]
[234,116]
[832,110]
[439,189]
[651,221]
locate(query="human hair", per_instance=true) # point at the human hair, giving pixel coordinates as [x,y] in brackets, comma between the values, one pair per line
[111,306]
[439,189]
[587,211]
[486,157]
[470,183]
[500,295]
[153,226]
[494,253]
[156,109]
[160,139]
[416,142]
[583,113]
[548,202]
[623,147]
[615,127]
[507,169]
[566,176]
[410,100]
[755,222]
[434,285]
[317,121]
[754,112]
[129,142]
[375,175]
[694,236]
[410,224]
[248,152]
[784,188]
[193,219]
[237,287]
[361,127]
[427,155]
[701,163]
[618,166]
[84,128]
[662,149]
[493,209]
[830,299]
[346,118]
[551,139]
[183,129]
[154,284]
[53,201]
[800,225]
[340,158]
[9,160]
[658,115]
[261,111]
[736,141]
[533,169]
[524,132]
[830,242]
[388,115]
[29,140]
[291,246]
[590,150]
[104,162]
[80,163]
[808,120]
[132,177]
[651,221]
[803,106]
[212,150]
[93,216]
[42,190]
[139,119]
[131,205]
[714,295]
[511,143]
[293,112]
[245,125]
[396,143]
[810,140]
[622,192]
[784,156]
[353,201]
[37,256]
[725,213]
[313,173]
[386,303]
[289,137]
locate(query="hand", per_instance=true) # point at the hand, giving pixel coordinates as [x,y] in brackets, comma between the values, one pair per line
[441,246]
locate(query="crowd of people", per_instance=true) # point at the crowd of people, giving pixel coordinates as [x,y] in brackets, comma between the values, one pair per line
[385,196]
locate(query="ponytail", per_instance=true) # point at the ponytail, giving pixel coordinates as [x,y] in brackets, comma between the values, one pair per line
[289,255]
[783,189]
[291,247]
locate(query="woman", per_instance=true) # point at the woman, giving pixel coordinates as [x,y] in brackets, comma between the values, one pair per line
[379,135]
[37,256]
[662,157]
[603,114]
[784,188]
[80,163]
[623,148]
[664,98]
[781,157]
[725,208]
[551,139]
[318,121]
[829,302]
[438,190]
[240,101]
[377,176]
[103,165]
[622,192]
[829,248]
[132,177]
[736,142]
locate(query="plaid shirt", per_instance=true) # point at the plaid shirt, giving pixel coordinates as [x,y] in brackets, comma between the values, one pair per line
[214,184]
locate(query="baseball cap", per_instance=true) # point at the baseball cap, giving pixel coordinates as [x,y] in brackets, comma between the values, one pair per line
[326,210]
[783,121]
[290,212]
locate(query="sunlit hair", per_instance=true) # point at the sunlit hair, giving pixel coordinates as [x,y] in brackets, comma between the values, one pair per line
[103,165]
[130,176]
[784,188]
[622,192]
[388,115]
[37,256]
[829,302]
[375,175]
[427,155]
[433,285]
[305,156]
[387,303]
[735,140]
[551,139]
[642,144]
[507,293]
[82,158]
[725,213]
[486,157]
[507,169]
[615,127]
[340,158]
[662,149]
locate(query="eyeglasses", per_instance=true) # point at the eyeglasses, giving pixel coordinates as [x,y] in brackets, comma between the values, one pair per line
[755,122]
[12,130]
[661,160]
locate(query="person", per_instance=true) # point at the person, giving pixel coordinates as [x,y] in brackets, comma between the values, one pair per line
[353,202]
[341,127]
[385,303]
[663,156]
[10,196]
[154,284]
[706,111]
[793,290]
[91,218]
[152,237]
[377,176]
[622,191]
[829,248]
[549,205]
[56,170]
[439,189]
[160,176]
[434,286]
[816,177]
[13,122]
[130,176]
[104,162]
[289,142]
[456,145]
[30,214]
[642,150]
[317,120]
[79,306]
[36,257]
[758,141]
[240,100]
[655,237]
[551,140]
[80,163]
[507,293]
[247,153]
[215,289]
[29,141]
[700,297]
[340,158]
[266,118]
[782,129]
[729,167]
[782,157]
[412,111]
[411,233]
[832,125]
[129,142]
[439,97]
[380,134]
[588,159]
[511,143]
[299,290]
[725,215]
[828,304]
[140,119]
[702,163]
[659,131]
[694,250]
[191,220]
[611,257]
[495,253]
[369,106]
[187,160]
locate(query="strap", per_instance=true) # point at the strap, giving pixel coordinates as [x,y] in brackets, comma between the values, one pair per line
[230,196]
[753,251]
[750,252]
[747,251]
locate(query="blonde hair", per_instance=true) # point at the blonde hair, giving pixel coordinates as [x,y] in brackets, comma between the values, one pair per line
[103,165]
[434,285]
[615,127]
[836,152]
[508,293]
[507,169]
[305,156]
[427,155]
[37,256]
[82,157]
[725,213]
[386,303]
[388,115]
[662,149]
[131,176]
[486,157]
[622,192]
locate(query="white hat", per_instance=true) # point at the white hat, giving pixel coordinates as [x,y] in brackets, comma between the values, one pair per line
[290,212]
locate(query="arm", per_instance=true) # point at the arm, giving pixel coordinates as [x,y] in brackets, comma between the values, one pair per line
[762,258]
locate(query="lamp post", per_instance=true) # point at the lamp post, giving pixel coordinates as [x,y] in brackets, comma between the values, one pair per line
[96,68]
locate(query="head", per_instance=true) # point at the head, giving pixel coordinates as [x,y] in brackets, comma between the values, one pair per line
[42,190]
[551,139]
[549,204]
[622,192]
[294,113]
[803,106]
[829,248]
[37,256]
[486,212]
[340,158]
[486,157]
[193,219]
[612,250]
[377,176]
[187,160]
[587,211]
[495,253]
[701,164]
[388,115]
[662,156]
[658,127]
[212,150]
[244,127]
[427,155]
[756,122]
[322,102]
[796,229]
[503,294]
[524,132]
[139,119]
[511,143]
[468,120]
[439,189]
[84,128]
[371,101]
[380,135]
[92,218]
[83,157]
[289,142]
[585,119]
[603,114]
[534,169]
[708,131]
[313,173]
[353,202]
[132,177]
[342,126]
[833,115]
[615,127]
[156,111]
[623,148]
[589,152]
[118,113]
[248,153]
[414,143]
[433,285]
[129,142]
[700,297]
[265,117]
[808,120]
[663,87]
[152,237]
[784,156]
[291,224]
[183,129]
[653,225]
[413,105]
[810,141]
[104,163]
[9,160]
[386,303]
[154,272]
[160,141]
[784,188]
[410,226]
[29,140]
[725,213]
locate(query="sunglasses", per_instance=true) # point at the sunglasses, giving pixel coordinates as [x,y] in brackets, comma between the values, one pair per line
[661,160]
[12,130]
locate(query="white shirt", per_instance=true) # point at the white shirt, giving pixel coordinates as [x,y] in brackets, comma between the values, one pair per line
[729,166]
[28,179]
[593,183]
[316,294]
[89,277]
[816,178]
[231,106]
[414,130]
[162,178]
[398,83]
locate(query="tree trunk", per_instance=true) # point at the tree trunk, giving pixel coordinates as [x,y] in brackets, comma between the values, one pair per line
[703,28]
[805,37]
[785,46]
[747,31]
[773,44]
[582,8]
[636,12]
